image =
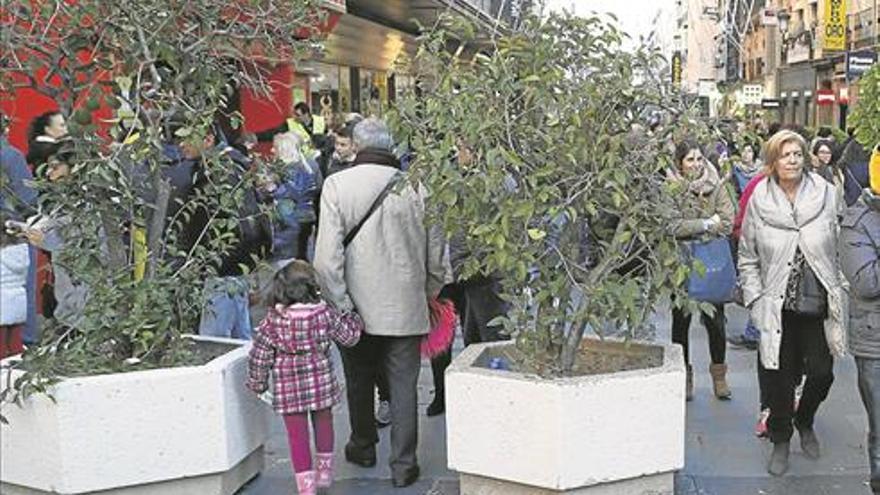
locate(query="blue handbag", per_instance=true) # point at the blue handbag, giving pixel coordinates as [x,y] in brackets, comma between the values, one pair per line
[718,284]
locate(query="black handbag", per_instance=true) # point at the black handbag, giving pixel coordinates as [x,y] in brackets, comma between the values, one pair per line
[811,298]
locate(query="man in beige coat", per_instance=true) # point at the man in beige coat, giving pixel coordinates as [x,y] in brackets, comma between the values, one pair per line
[387,273]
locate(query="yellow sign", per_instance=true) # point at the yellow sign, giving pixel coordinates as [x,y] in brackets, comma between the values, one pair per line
[676,68]
[834,30]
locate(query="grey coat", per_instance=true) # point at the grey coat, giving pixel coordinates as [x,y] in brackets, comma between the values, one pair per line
[393,265]
[772,231]
[860,259]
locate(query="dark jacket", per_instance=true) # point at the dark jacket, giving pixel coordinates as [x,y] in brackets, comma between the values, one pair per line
[860,262]
[254,236]
[17,198]
[854,165]
[43,147]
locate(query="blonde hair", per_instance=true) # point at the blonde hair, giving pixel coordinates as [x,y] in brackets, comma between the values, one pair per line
[773,149]
[287,147]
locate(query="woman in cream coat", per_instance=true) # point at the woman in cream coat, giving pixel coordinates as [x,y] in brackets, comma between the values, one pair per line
[789,235]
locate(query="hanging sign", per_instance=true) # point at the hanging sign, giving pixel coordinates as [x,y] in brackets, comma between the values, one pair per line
[676,68]
[834,30]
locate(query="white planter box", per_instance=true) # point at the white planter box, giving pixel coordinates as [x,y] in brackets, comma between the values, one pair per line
[139,429]
[617,433]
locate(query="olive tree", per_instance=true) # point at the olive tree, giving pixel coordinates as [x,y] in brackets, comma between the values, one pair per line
[866,116]
[168,71]
[538,152]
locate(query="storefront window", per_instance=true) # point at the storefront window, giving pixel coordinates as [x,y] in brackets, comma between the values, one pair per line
[344,90]
[373,92]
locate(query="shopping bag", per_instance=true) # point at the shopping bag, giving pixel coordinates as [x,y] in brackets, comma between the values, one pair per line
[718,284]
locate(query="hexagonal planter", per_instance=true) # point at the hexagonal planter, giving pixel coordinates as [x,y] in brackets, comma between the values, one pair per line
[618,433]
[186,430]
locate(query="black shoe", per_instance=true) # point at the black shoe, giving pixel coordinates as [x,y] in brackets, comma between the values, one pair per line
[778,464]
[809,443]
[742,342]
[437,406]
[408,477]
[362,458]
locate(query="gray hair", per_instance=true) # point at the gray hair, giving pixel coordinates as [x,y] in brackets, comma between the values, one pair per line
[286,147]
[372,133]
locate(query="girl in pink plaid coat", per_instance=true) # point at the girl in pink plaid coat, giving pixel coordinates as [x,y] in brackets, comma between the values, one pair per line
[293,344]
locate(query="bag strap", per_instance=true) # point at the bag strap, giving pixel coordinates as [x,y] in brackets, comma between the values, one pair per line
[373,207]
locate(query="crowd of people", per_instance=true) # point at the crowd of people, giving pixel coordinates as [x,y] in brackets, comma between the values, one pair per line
[802,221]
[356,265]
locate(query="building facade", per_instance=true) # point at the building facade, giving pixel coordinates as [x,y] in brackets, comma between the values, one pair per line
[791,49]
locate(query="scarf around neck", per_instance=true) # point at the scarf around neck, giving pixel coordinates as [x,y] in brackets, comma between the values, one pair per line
[701,183]
[376,156]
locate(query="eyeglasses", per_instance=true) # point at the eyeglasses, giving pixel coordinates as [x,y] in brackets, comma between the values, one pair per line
[797,155]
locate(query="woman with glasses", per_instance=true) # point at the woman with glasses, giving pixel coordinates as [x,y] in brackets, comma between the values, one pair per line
[789,271]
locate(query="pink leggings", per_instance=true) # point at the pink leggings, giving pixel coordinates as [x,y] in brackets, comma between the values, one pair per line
[298,437]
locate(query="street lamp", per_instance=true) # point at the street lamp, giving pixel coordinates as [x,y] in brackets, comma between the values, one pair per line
[783,17]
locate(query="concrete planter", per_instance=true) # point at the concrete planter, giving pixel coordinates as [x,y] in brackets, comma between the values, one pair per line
[510,433]
[170,431]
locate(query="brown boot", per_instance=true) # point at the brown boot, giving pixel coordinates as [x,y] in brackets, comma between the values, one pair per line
[719,381]
[689,390]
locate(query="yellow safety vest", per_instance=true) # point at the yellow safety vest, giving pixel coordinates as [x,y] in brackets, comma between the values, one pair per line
[297,128]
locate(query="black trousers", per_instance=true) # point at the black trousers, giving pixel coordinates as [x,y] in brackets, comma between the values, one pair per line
[804,350]
[400,359]
[681,322]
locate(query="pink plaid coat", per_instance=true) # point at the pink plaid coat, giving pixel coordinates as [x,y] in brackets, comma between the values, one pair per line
[293,343]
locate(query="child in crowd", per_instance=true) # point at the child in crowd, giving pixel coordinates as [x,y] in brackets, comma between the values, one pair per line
[293,342]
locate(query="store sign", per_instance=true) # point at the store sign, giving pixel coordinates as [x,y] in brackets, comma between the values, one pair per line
[857,63]
[798,52]
[676,68]
[771,103]
[834,30]
[825,97]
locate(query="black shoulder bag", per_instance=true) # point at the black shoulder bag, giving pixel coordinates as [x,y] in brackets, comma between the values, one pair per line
[373,207]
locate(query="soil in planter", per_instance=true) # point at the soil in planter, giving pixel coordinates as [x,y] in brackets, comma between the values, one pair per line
[195,353]
[594,357]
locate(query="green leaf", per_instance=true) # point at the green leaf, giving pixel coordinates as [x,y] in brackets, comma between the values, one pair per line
[537,234]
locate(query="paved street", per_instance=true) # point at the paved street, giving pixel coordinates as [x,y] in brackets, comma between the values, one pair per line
[723,455]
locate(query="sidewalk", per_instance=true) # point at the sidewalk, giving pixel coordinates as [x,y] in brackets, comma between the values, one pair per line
[723,457]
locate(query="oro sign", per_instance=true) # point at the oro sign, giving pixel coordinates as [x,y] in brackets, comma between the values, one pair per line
[834,31]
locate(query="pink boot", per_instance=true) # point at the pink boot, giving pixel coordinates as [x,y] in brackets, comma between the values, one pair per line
[324,466]
[305,483]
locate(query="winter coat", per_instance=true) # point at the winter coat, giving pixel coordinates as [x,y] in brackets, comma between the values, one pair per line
[773,230]
[297,194]
[743,205]
[394,263]
[14,262]
[740,177]
[17,198]
[860,261]
[697,204]
[254,236]
[294,343]
[854,167]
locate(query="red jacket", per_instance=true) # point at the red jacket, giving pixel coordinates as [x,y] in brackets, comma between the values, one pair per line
[294,344]
[744,203]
